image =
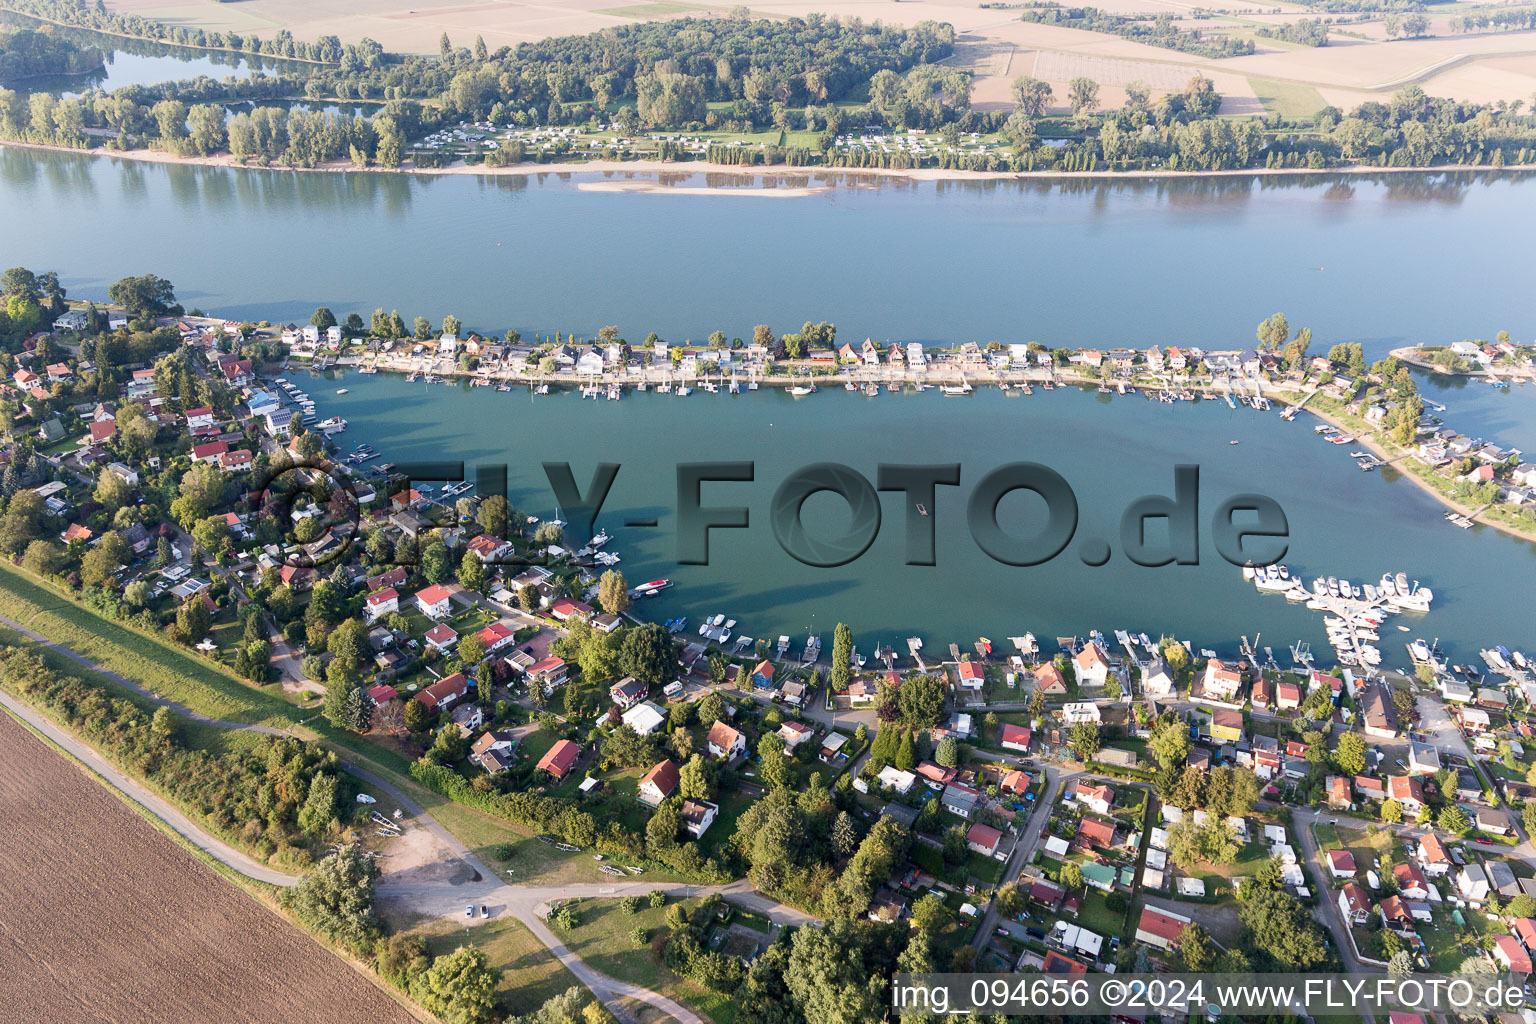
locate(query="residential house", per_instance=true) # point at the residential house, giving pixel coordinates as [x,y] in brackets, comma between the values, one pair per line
[441,695]
[1014,737]
[959,799]
[1226,725]
[1160,928]
[1341,864]
[1408,792]
[1100,799]
[658,783]
[628,691]
[496,636]
[984,839]
[698,815]
[1100,876]
[971,675]
[1339,795]
[1354,904]
[1396,916]
[1423,758]
[645,718]
[795,733]
[1509,952]
[1493,820]
[1472,883]
[891,777]
[1049,680]
[1411,882]
[1219,681]
[1432,856]
[489,549]
[1379,715]
[762,674]
[442,637]
[1080,711]
[832,747]
[1096,832]
[558,760]
[549,673]
[381,603]
[1091,665]
[936,776]
[493,751]
[1287,696]
[1157,680]
[723,741]
[1370,788]
[434,601]
[237,461]
[567,608]
[1046,893]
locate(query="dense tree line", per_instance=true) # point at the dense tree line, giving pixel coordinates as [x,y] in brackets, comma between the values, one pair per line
[278,799]
[24,54]
[94,15]
[1304,32]
[1159,31]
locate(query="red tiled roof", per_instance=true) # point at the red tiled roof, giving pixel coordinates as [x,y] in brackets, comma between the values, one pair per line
[1015,734]
[1096,832]
[383,693]
[723,736]
[1341,860]
[984,835]
[455,686]
[103,429]
[384,596]
[435,594]
[559,758]
[664,775]
[1155,922]
[441,634]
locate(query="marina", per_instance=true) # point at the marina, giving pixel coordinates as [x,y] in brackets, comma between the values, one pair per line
[888,601]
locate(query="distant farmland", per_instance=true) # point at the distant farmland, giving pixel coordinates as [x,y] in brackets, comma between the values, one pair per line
[106,920]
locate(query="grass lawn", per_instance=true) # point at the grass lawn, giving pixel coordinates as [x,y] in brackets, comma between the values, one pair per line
[602,940]
[1288,99]
[1097,917]
[530,973]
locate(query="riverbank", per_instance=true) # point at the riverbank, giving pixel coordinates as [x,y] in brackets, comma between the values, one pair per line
[1412,355]
[797,177]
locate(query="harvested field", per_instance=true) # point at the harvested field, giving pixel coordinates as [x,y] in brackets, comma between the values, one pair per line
[105,919]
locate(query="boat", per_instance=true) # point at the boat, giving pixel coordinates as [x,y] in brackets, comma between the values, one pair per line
[850,386]
[341,391]
[600,538]
[956,389]
[871,390]
[1232,442]
[922,509]
[503,387]
[542,389]
[800,389]
[653,587]
[684,391]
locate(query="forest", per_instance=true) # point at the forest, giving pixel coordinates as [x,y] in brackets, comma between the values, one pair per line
[27,54]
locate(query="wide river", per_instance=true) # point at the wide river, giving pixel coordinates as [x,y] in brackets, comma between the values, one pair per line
[1385,262]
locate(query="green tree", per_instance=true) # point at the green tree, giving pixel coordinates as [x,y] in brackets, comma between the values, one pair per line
[1391,811]
[711,709]
[1195,949]
[1071,876]
[695,780]
[1349,755]
[336,898]
[1170,742]
[460,987]
[1084,740]
[613,592]
[646,653]
[947,754]
[842,658]
[1454,820]
[472,572]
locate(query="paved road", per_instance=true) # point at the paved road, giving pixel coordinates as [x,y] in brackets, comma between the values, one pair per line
[1055,778]
[439,899]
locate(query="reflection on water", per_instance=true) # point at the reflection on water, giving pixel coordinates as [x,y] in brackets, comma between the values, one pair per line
[1090,262]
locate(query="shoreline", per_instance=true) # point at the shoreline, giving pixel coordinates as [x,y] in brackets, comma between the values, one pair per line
[829,177]
[1034,378]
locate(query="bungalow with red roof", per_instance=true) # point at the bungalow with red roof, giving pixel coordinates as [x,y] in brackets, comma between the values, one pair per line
[381,603]
[1287,696]
[1014,737]
[1511,954]
[406,500]
[434,601]
[1095,832]
[937,776]
[1049,680]
[1261,692]
[1370,787]
[1411,883]
[441,695]
[1046,893]
[441,637]
[568,608]
[658,783]
[795,733]
[393,578]
[558,759]
[1341,864]
[1056,963]
[496,636]
[1525,931]
[382,694]
[983,839]
[1160,928]
[1013,781]
[77,531]
[102,430]
[723,741]
[57,372]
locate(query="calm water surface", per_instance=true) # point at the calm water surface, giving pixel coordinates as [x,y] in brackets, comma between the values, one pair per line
[1407,258]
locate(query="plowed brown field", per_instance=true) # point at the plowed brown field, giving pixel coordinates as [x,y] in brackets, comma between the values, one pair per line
[104,919]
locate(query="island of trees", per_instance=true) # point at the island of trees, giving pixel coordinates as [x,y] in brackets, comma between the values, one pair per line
[28,54]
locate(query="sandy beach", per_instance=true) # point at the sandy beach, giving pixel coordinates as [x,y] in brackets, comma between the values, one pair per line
[782,180]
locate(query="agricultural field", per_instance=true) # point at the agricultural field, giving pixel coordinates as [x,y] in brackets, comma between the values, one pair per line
[1360,63]
[109,928]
